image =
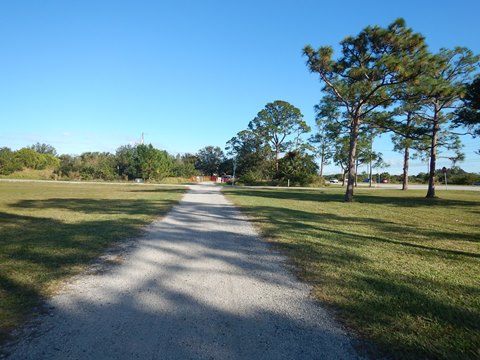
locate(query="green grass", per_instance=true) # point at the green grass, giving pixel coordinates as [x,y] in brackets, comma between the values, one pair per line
[49,232]
[400,270]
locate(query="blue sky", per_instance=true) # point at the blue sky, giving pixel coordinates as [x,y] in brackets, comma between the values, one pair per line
[93,75]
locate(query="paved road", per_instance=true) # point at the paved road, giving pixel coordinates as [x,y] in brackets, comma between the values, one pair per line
[199,285]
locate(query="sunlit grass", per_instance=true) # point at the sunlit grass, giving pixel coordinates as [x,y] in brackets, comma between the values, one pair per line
[51,231]
[401,270]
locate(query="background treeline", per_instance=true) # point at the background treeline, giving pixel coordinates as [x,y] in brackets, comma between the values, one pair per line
[254,164]
[383,81]
[129,162]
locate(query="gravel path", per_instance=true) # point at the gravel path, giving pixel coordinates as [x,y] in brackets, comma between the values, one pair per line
[199,285]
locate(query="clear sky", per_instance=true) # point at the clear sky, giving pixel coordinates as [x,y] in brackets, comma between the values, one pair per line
[92,75]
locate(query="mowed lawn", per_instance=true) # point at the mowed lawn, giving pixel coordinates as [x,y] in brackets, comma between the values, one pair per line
[400,270]
[50,231]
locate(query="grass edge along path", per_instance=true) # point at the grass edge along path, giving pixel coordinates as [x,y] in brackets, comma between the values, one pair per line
[400,270]
[50,232]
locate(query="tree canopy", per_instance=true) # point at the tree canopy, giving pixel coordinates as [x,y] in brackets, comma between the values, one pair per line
[209,160]
[275,123]
[469,114]
[365,77]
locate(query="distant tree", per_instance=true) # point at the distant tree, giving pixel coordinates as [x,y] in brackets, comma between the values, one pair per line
[125,162]
[184,166]
[28,158]
[322,141]
[442,88]
[188,158]
[209,160]
[405,124]
[152,163]
[275,123]
[50,162]
[8,163]
[367,75]
[250,155]
[340,155]
[44,149]
[469,114]
[367,155]
[97,165]
[69,166]
[298,168]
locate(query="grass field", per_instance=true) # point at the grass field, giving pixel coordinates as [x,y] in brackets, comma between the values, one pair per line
[400,270]
[50,231]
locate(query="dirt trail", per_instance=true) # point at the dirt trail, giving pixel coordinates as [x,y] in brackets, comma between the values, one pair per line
[199,285]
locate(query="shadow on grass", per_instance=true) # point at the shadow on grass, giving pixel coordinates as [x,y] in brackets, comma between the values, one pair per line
[426,315]
[36,251]
[101,206]
[401,200]
[178,190]
[418,321]
[288,219]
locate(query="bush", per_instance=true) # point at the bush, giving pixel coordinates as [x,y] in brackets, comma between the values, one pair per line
[251,177]
[317,181]
[7,162]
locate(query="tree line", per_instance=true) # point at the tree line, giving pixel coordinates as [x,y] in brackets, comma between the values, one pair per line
[129,162]
[384,81]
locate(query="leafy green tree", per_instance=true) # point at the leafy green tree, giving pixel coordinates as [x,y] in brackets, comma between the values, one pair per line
[8,163]
[250,155]
[341,155]
[144,161]
[28,158]
[442,88]
[69,166]
[49,161]
[405,124]
[184,166]
[373,64]
[403,144]
[97,165]
[125,162]
[468,115]
[366,154]
[209,160]
[323,142]
[298,168]
[151,163]
[275,123]
[44,149]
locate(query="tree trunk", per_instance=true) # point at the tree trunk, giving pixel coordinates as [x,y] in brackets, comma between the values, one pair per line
[351,160]
[370,176]
[322,157]
[276,162]
[370,164]
[356,172]
[406,157]
[433,157]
